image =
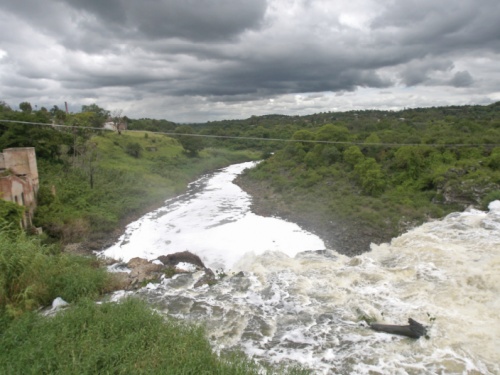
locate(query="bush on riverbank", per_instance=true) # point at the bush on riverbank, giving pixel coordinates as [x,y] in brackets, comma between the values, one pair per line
[33,274]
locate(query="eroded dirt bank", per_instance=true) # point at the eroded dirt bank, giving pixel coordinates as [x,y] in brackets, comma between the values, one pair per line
[347,237]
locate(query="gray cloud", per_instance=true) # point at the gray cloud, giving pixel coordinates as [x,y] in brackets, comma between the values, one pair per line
[462,79]
[439,26]
[245,57]
[202,21]
[419,71]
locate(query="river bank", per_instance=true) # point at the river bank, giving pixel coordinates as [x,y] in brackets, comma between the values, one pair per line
[347,237]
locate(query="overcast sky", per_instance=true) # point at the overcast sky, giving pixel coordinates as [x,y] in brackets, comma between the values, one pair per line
[200,60]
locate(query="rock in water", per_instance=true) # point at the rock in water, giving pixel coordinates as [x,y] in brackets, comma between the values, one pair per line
[181,257]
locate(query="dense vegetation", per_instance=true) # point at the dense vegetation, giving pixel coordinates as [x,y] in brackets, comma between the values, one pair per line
[33,274]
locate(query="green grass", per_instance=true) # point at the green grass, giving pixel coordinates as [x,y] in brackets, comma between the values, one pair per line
[32,275]
[124,338]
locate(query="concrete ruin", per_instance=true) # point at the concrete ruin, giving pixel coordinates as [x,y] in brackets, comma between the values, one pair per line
[19,179]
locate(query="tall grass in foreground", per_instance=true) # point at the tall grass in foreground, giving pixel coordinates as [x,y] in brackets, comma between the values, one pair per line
[124,338]
[32,275]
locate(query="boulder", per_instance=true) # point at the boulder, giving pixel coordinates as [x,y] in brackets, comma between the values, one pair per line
[121,281]
[207,279]
[182,257]
[136,262]
[142,270]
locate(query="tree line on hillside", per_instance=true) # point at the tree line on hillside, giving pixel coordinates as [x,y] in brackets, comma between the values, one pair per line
[83,124]
[382,172]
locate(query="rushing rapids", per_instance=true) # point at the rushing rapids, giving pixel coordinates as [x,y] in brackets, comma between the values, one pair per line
[288,300]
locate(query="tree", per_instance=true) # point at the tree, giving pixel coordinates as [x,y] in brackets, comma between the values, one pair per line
[101,114]
[4,107]
[85,158]
[58,114]
[370,176]
[119,120]
[306,136]
[45,139]
[372,145]
[25,107]
[192,144]
[330,132]
[412,159]
[353,156]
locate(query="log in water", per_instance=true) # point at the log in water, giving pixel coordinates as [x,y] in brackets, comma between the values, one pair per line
[413,329]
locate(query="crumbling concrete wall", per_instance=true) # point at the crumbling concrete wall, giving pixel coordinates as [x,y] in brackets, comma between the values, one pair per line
[19,179]
[22,162]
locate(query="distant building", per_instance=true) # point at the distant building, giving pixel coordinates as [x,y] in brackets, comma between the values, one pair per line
[19,179]
[118,126]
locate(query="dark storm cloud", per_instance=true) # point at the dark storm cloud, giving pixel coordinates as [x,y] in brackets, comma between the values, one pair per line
[442,25]
[196,20]
[240,51]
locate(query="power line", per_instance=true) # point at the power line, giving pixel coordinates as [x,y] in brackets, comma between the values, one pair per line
[52,125]
[374,144]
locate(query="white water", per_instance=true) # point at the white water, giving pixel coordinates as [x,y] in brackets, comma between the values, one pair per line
[307,307]
[212,220]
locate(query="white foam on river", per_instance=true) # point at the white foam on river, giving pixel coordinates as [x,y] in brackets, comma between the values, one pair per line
[307,307]
[213,220]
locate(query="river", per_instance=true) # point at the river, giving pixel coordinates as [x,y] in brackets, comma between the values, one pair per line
[287,299]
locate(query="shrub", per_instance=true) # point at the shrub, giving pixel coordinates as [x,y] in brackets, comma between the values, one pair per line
[490,197]
[370,176]
[32,275]
[191,143]
[494,159]
[11,214]
[134,149]
[353,156]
